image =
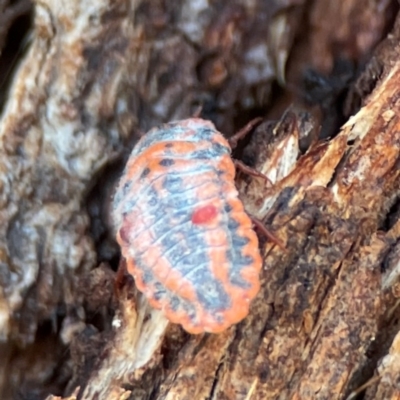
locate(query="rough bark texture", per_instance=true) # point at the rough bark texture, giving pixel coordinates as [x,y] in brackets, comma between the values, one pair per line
[97,74]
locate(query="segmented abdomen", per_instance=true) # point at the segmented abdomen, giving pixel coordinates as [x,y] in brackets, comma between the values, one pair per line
[182,229]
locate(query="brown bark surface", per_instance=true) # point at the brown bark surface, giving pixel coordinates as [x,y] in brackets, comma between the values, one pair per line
[96,75]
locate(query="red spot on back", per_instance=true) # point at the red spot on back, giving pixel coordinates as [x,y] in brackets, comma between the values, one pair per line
[204,214]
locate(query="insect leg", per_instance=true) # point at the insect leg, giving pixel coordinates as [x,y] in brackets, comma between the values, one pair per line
[251,171]
[259,224]
[233,140]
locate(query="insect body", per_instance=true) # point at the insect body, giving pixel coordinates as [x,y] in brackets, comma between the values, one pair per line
[182,229]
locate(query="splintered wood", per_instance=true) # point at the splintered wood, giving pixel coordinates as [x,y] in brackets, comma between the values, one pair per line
[325,324]
[57,131]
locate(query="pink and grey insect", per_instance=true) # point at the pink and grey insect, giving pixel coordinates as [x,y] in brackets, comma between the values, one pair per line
[183,231]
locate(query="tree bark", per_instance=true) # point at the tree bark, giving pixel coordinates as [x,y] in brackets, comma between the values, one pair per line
[95,77]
